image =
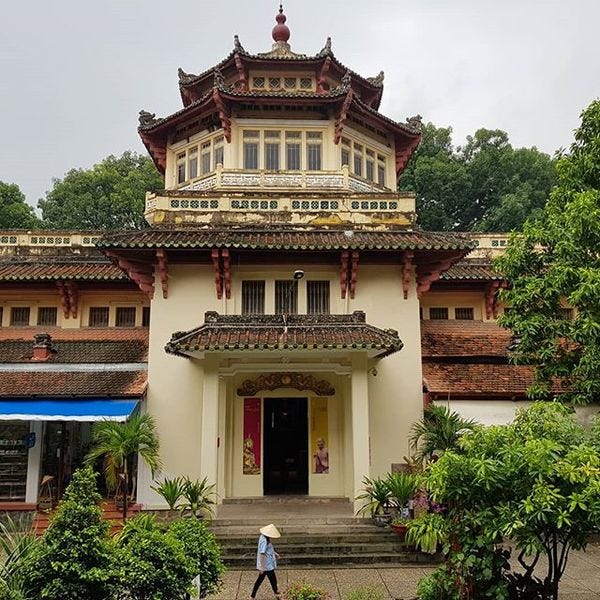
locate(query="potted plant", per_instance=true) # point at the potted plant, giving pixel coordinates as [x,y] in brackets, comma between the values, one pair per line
[171,491]
[118,443]
[400,526]
[376,497]
[401,487]
[198,497]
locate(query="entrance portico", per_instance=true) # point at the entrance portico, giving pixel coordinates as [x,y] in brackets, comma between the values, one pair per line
[285,401]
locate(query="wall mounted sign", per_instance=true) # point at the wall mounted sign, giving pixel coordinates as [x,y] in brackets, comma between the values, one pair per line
[319,432]
[252,437]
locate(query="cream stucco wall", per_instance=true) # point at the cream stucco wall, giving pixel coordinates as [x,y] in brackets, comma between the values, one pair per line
[395,392]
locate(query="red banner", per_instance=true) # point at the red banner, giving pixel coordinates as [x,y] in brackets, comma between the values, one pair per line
[252,421]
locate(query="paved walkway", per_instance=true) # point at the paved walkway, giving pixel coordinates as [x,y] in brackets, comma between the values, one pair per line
[580,582]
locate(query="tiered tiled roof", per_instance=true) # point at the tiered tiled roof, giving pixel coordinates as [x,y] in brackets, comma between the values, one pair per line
[469,359]
[291,332]
[474,270]
[116,384]
[43,270]
[83,363]
[297,239]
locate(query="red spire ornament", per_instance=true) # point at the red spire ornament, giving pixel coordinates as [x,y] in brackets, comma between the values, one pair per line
[281,32]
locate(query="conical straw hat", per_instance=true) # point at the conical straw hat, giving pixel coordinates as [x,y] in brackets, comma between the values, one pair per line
[270,531]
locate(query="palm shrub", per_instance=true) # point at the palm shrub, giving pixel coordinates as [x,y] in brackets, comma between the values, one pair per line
[201,547]
[17,545]
[401,487]
[171,491]
[198,496]
[376,496]
[75,557]
[118,443]
[438,430]
[153,565]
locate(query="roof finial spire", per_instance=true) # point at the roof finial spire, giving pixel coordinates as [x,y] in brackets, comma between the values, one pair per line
[281,32]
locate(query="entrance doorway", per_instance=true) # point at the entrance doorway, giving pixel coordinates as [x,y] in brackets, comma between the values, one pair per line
[286,446]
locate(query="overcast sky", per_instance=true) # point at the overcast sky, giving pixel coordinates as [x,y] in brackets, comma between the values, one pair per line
[75,73]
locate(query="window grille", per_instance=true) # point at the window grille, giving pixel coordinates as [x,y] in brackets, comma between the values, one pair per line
[317,297]
[313,158]
[259,82]
[181,167]
[19,316]
[464,314]
[98,316]
[286,297]
[125,316]
[292,150]
[253,297]
[274,83]
[306,83]
[218,151]
[438,313]
[47,316]
[272,150]
[290,83]
[193,162]
[146,316]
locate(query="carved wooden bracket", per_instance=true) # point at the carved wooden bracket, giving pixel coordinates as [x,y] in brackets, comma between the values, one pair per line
[141,273]
[226,272]
[215,254]
[425,279]
[408,268]
[73,294]
[242,76]
[163,271]
[224,115]
[321,81]
[64,298]
[297,381]
[491,298]
[353,273]
[344,273]
[341,119]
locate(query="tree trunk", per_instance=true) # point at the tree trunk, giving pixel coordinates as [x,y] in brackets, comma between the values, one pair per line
[125,484]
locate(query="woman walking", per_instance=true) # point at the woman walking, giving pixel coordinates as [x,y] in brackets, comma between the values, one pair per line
[266,559]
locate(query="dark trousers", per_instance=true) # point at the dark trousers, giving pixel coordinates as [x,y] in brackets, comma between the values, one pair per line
[261,577]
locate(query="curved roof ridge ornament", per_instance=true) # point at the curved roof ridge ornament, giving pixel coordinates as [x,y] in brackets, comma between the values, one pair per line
[415,123]
[185,77]
[377,80]
[281,32]
[237,45]
[326,49]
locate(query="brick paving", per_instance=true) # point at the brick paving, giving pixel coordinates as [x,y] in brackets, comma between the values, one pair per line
[580,582]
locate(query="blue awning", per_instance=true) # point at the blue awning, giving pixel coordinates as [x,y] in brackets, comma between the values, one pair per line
[51,409]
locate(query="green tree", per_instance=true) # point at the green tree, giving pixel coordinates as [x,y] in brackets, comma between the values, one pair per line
[535,482]
[486,185]
[75,558]
[555,263]
[15,213]
[110,195]
[118,443]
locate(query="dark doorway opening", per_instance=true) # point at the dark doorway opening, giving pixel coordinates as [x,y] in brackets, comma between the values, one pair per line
[286,446]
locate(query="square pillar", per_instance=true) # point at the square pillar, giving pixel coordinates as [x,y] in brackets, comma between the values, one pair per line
[359,389]
[34,463]
[210,422]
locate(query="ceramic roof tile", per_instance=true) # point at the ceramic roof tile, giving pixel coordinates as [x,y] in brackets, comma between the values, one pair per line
[58,270]
[288,240]
[67,383]
[474,270]
[81,334]
[270,332]
[463,338]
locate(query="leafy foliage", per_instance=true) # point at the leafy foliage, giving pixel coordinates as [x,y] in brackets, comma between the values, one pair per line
[365,593]
[438,430]
[376,496]
[17,544]
[153,566]
[401,487]
[536,481]
[118,443]
[15,213]
[556,261]
[201,547]
[198,496]
[75,558]
[485,185]
[300,590]
[171,490]
[110,195]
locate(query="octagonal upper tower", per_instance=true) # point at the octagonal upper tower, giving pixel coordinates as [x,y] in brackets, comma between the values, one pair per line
[280,137]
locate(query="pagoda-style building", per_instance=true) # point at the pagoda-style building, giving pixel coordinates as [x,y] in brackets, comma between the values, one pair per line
[284,271]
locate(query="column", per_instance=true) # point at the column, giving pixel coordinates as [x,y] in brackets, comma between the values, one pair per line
[360,423]
[221,450]
[210,422]
[34,464]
